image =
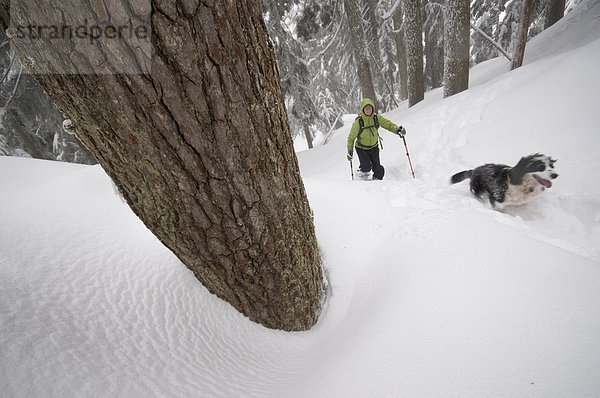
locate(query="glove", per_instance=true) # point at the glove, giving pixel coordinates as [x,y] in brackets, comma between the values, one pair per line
[349,155]
[401,132]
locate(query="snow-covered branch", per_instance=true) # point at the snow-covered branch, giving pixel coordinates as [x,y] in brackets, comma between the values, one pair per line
[12,60]
[15,88]
[390,13]
[488,38]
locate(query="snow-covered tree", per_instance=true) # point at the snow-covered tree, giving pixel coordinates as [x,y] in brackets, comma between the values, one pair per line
[485,16]
[434,44]
[509,24]
[295,76]
[30,125]
[325,36]
[353,12]
[398,20]
[519,52]
[456,54]
[413,39]
[380,47]
[388,61]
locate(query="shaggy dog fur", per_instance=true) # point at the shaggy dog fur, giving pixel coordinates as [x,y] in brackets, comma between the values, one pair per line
[505,185]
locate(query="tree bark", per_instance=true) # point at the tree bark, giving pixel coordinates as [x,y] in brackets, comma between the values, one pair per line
[389,67]
[555,12]
[363,65]
[373,28]
[413,39]
[434,58]
[307,135]
[374,52]
[200,146]
[401,51]
[456,53]
[519,53]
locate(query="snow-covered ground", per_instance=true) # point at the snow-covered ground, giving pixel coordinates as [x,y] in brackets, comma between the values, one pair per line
[433,293]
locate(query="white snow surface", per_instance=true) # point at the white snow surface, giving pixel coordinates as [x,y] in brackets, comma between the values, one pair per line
[432,293]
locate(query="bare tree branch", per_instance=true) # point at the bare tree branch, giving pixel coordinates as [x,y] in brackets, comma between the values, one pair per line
[16,86]
[12,59]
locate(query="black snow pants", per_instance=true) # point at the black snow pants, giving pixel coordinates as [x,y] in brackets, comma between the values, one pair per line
[369,160]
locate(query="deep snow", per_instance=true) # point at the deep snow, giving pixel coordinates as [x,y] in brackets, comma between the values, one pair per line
[432,292]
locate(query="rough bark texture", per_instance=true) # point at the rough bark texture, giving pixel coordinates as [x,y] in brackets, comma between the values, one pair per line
[519,53]
[363,65]
[555,12]
[456,42]
[413,39]
[401,51]
[201,149]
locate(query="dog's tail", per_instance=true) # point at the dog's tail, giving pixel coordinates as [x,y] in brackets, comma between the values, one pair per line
[463,175]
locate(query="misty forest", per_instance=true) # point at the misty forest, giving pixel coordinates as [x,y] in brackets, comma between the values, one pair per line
[322,48]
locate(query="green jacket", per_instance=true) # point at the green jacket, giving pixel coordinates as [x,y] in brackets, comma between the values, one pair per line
[369,138]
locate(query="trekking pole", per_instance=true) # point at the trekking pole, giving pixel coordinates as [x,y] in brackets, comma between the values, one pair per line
[351,170]
[408,156]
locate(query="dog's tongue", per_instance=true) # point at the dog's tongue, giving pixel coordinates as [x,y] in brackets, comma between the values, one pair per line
[542,181]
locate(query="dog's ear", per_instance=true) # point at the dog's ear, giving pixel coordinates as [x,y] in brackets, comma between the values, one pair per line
[528,164]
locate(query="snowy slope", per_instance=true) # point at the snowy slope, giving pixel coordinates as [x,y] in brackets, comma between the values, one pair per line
[432,292]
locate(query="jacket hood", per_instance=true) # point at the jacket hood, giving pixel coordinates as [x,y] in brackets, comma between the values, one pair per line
[365,102]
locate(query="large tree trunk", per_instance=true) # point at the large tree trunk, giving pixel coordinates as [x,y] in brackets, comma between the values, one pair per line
[199,145]
[389,66]
[413,38]
[363,65]
[519,53]
[556,11]
[456,54]
[374,51]
[434,58]
[401,51]
[372,31]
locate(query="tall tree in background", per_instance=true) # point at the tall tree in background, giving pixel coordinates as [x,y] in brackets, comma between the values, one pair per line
[519,53]
[434,45]
[456,53]
[373,31]
[413,39]
[355,23]
[508,25]
[30,125]
[556,10]
[324,34]
[401,51]
[295,76]
[318,64]
[197,141]
[486,16]
[389,61]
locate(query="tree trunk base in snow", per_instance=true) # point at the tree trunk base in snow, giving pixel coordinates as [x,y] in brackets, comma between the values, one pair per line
[198,143]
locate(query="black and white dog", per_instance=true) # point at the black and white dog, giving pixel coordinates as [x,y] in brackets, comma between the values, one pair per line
[505,185]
